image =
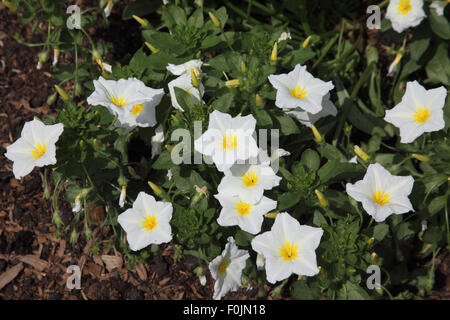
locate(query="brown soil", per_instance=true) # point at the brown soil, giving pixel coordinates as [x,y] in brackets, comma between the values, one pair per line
[33,261]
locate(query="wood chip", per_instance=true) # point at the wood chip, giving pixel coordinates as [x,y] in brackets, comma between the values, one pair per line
[10,274]
[141,272]
[112,262]
[61,249]
[34,261]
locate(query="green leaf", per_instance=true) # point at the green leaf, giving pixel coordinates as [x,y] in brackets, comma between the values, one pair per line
[439,25]
[354,292]
[438,68]
[437,204]
[174,15]
[186,101]
[196,20]
[262,117]
[163,161]
[380,231]
[224,102]
[310,159]
[243,238]
[287,124]
[334,168]
[302,291]
[288,200]
[139,8]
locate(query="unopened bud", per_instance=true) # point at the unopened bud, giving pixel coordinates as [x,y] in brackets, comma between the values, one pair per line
[322,200]
[243,67]
[151,47]
[316,133]
[306,42]
[370,241]
[73,237]
[360,153]
[233,83]
[271,215]
[123,195]
[51,99]
[259,101]
[143,22]
[96,144]
[62,93]
[420,157]
[43,56]
[194,78]
[157,190]
[175,119]
[351,270]
[374,258]
[11,6]
[214,19]
[274,54]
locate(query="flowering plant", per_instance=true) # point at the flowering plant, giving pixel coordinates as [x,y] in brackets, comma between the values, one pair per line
[287,158]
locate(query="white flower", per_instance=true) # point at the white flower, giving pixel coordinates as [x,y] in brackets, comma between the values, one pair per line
[299,89]
[107,67]
[157,141]
[308,119]
[263,157]
[239,211]
[353,160]
[35,147]
[288,248]
[439,6]
[123,195]
[226,269]
[248,181]
[405,13]
[185,68]
[202,279]
[184,82]
[147,222]
[108,8]
[77,206]
[228,139]
[382,193]
[129,99]
[284,36]
[419,111]
[260,261]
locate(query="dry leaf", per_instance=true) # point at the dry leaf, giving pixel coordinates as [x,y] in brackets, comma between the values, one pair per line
[141,272]
[34,261]
[112,262]
[9,275]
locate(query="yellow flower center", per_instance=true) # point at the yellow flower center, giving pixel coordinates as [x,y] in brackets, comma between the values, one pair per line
[381,198]
[39,150]
[223,266]
[250,179]
[188,91]
[298,93]
[422,115]
[289,252]
[137,108]
[119,102]
[229,142]
[404,7]
[149,223]
[243,208]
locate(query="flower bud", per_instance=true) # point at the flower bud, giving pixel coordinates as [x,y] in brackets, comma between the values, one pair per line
[96,144]
[360,153]
[322,200]
[259,101]
[351,270]
[370,241]
[168,147]
[77,206]
[123,195]
[51,99]
[157,190]
[420,157]
[143,22]
[374,258]
[11,6]
[77,89]
[316,133]
[393,66]
[55,56]
[175,119]
[194,78]
[214,19]
[274,54]
[62,93]
[233,83]
[152,48]
[306,42]
[271,215]
[243,67]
